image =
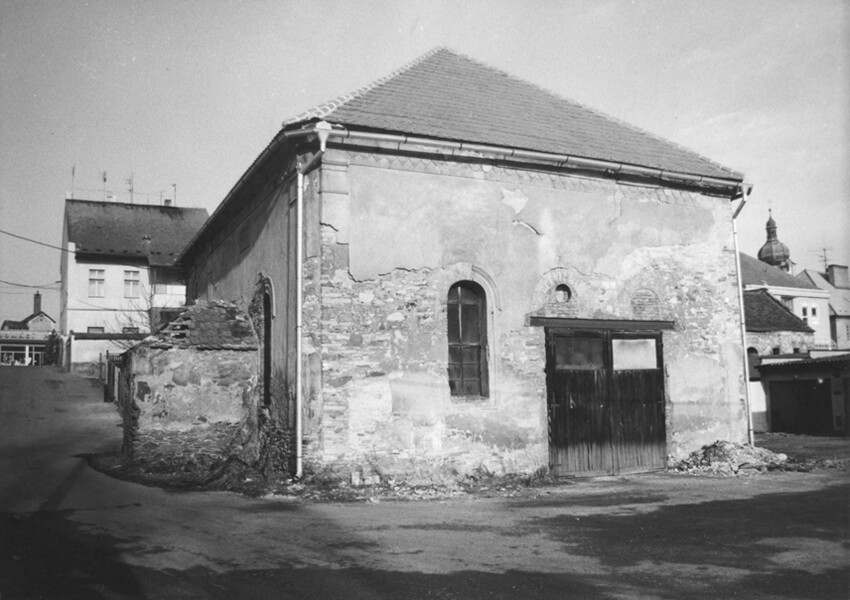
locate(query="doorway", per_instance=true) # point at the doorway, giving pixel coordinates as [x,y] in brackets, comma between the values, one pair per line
[605,402]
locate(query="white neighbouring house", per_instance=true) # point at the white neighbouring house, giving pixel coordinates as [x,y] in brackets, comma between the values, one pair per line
[836,281]
[807,302]
[118,274]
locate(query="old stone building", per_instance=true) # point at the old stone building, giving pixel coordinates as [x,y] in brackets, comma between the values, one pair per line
[453,270]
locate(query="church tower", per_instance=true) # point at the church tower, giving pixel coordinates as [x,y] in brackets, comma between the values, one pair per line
[774,252]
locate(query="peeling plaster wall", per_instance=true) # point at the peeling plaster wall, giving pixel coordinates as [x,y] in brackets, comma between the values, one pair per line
[177,404]
[398,231]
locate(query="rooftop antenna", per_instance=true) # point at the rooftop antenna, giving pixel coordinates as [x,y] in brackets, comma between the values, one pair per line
[825,257]
[103,175]
[174,185]
[73,179]
[129,181]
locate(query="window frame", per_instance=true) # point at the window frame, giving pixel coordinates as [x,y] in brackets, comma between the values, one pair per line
[132,291]
[473,352]
[97,283]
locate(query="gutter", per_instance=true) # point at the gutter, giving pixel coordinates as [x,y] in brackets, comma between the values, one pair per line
[557,160]
[746,189]
[452,148]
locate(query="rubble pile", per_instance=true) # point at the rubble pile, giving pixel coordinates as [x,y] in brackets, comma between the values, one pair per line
[730,459]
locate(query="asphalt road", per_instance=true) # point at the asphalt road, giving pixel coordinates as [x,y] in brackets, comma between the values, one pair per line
[67,531]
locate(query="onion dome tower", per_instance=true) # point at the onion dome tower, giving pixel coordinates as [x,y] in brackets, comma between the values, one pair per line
[774,252]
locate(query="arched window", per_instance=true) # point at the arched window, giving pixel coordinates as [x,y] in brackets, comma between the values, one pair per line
[467,320]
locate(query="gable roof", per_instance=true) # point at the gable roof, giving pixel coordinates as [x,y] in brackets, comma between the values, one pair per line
[116,230]
[763,312]
[755,272]
[40,313]
[11,325]
[446,95]
[839,298]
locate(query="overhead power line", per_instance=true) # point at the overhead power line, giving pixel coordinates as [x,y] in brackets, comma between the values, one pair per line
[26,239]
[24,285]
[60,248]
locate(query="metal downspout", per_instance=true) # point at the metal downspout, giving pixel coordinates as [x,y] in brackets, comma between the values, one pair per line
[322,134]
[744,192]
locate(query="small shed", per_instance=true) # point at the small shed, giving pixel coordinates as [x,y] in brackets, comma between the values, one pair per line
[187,394]
[810,396]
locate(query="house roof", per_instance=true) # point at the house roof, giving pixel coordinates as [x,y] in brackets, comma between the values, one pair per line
[10,325]
[839,298]
[449,96]
[214,325]
[40,313]
[842,362]
[755,272]
[763,313]
[117,230]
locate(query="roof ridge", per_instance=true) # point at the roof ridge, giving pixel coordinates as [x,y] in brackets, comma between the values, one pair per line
[133,205]
[329,106]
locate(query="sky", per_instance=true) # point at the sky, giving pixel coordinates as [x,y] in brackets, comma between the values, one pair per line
[182,95]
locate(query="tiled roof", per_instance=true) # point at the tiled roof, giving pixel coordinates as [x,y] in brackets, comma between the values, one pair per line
[755,272]
[10,325]
[215,325]
[839,298]
[117,230]
[842,360]
[763,312]
[448,96]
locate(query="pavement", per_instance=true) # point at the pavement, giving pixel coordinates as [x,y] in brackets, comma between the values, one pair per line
[67,531]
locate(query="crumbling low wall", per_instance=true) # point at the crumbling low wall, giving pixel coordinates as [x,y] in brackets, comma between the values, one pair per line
[187,409]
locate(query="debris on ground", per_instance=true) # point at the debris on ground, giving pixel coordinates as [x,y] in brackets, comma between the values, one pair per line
[729,459]
[243,479]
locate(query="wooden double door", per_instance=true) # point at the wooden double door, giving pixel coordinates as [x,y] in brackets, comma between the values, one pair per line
[606,402]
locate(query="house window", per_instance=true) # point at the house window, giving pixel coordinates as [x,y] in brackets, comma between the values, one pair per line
[467,329]
[131,284]
[95,330]
[634,354]
[805,311]
[130,330]
[97,279]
